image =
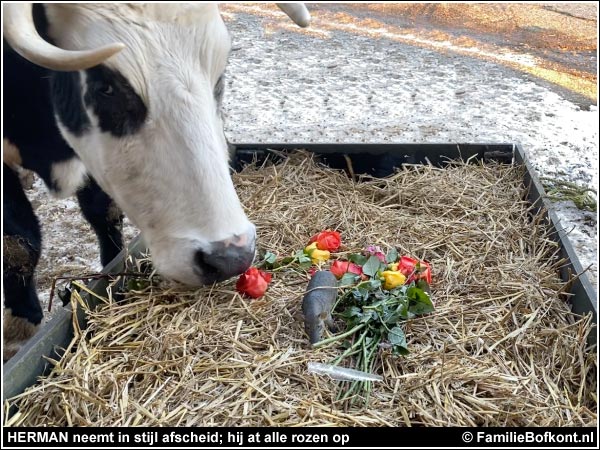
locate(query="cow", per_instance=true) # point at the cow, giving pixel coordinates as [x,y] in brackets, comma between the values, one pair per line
[120,105]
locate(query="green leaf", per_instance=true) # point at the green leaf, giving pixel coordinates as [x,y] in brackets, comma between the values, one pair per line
[369,340]
[378,305]
[287,260]
[368,316]
[372,266]
[351,312]
[420,303]
[380,294]
[305,262]
[392,256]
[398,340]
[402,310]
[366,288]
[302,258]
[394,314]
[359,259]
[398,350]
[348,279]
[397,337]
[357,295]
[424,286]
[420,308]
[416,294]
[270,258]
[391,317]
[299,254]
[369,285]
[269,261]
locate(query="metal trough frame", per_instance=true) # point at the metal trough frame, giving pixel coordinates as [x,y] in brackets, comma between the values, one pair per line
[376,159]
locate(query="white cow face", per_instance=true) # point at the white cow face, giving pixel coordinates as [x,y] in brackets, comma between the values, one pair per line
[135,90]
[147,126]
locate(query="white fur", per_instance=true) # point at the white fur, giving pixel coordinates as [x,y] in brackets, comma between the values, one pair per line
[172,176]
[68,176]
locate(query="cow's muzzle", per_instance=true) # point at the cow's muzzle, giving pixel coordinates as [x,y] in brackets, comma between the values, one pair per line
[224,259]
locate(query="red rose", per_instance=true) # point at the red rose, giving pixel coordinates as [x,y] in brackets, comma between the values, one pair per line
[425,271]
[253,282]
[339,268]
[355,269]
[408,266]
[327,240]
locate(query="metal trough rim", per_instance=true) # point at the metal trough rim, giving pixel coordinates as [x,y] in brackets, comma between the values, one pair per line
[29,362]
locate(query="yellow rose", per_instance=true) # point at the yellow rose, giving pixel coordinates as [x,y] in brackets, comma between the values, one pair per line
[393,279]
[393,266]
[316,255]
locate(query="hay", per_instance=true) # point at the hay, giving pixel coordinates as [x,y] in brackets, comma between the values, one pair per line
[501,348]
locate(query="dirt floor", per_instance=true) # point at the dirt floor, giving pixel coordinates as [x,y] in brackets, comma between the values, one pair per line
[398,73]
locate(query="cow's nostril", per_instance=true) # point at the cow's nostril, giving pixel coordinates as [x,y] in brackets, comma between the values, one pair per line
[210,272]
[223,262]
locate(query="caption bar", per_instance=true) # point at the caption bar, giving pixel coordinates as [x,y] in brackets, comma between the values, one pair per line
[298,437]
[180,437]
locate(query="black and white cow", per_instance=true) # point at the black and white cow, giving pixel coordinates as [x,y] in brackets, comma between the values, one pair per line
[120,101]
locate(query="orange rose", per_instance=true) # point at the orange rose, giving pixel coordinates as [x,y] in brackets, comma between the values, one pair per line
[327,240]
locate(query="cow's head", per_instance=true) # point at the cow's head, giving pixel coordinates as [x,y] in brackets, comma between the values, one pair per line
[137,94]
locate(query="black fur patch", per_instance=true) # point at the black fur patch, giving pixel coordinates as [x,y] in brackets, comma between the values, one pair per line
[105,217]
[28,110]
[120,110]
[21,244]
[65,89]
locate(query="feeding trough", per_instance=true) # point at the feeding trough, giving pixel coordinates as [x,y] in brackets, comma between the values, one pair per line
[275,354]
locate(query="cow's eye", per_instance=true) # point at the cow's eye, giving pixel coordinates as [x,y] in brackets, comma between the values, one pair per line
[107,90]
[120,110]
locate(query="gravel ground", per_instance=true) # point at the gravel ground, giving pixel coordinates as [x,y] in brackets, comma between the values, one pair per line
[331,85]
[350,79]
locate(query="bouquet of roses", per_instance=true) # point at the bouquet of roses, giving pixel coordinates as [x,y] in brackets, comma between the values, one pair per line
[377,292]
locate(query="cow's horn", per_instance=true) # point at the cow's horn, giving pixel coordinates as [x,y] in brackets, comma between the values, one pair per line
[297,12]
[22,36]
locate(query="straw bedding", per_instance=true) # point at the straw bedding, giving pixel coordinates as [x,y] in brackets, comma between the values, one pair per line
[500,349]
